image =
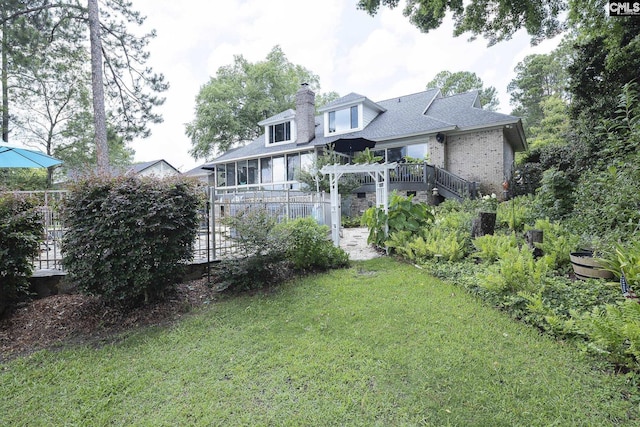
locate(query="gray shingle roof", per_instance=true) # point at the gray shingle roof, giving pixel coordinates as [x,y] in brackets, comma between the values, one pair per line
[280,116]
[426,112]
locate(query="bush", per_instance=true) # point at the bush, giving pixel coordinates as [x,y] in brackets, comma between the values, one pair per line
[309,246]
[554,197]
[614,331]
[517,270]
[403,215]
[251,230]
[270,253]
[128,238]
[20,236]
[607,204]
[516,213]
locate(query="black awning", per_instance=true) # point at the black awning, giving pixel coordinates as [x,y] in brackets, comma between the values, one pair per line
[352,145]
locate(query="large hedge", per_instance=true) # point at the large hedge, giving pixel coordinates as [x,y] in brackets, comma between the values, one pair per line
[128,238]
[20,236]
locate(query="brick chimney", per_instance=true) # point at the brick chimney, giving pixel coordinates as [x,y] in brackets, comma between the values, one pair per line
[305,114]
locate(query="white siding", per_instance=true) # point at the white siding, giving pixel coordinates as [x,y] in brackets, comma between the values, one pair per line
[368,115]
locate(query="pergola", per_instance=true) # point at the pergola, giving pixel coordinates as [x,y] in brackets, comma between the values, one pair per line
[380,174]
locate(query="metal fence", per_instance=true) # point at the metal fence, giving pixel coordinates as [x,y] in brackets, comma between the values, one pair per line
[48,204]
[214,240]
[281,205]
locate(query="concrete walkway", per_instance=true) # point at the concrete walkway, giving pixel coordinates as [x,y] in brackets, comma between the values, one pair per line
[354,242]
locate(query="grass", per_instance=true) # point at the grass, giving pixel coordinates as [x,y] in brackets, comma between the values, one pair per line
[382,343]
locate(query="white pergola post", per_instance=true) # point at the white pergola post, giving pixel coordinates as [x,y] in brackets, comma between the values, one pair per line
[336,214]
[379,172]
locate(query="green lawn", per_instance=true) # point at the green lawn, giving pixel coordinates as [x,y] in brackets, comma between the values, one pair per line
[382,343]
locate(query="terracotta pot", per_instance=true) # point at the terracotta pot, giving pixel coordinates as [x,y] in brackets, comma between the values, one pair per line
[585,266]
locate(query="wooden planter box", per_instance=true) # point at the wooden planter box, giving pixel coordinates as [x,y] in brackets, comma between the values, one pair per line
[586,267]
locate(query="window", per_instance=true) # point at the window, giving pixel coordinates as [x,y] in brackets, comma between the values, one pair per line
[280,132]
[279,170]
[252,171]
[231,174]
[396,154]
[242,172]
[293,166]
[266,169]
[418,151]
[343,120]
[221,172]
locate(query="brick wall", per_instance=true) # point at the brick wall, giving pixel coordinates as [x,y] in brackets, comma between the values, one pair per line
[479,156]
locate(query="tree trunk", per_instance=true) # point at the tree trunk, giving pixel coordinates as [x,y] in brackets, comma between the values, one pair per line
[532,237]
[99,115]
[484,224]
[5,86]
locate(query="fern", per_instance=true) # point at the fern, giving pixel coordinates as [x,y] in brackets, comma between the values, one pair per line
[615,331]
[516,271]
[557,241]
[492,247]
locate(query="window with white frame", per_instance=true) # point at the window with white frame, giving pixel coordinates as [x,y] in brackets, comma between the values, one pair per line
[280,132]
[343,120]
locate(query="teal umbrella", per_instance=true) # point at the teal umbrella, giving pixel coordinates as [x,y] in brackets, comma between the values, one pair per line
[14,157]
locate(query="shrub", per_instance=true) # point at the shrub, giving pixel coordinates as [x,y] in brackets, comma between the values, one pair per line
[554,197]
[624,258]
[128,238]
[250,273]
[607,203]
[403,215]
[308,246]
[560,300]
[269,253]
[251,230]
[20,236]
[260,257]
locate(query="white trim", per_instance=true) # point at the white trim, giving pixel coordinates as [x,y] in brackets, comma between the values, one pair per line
[293,133]
[311,149]
[348,106]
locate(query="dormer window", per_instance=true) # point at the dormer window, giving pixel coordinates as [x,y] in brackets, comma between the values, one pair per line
[343,120]
[280,132]
[279,129]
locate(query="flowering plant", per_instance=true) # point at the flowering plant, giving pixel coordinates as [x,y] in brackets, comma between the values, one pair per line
[489,203]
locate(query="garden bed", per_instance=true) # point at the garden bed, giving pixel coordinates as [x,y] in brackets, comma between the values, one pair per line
[60,319]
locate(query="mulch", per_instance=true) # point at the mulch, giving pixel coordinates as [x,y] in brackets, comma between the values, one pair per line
[60,320]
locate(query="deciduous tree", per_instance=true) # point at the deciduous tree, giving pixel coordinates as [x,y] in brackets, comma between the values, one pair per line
[496,20]
[229,107]
[539,77]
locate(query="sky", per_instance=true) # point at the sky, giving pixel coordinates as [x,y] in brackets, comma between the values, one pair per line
[379,57]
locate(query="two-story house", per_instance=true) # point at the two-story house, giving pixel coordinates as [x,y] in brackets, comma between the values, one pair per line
[462,146]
